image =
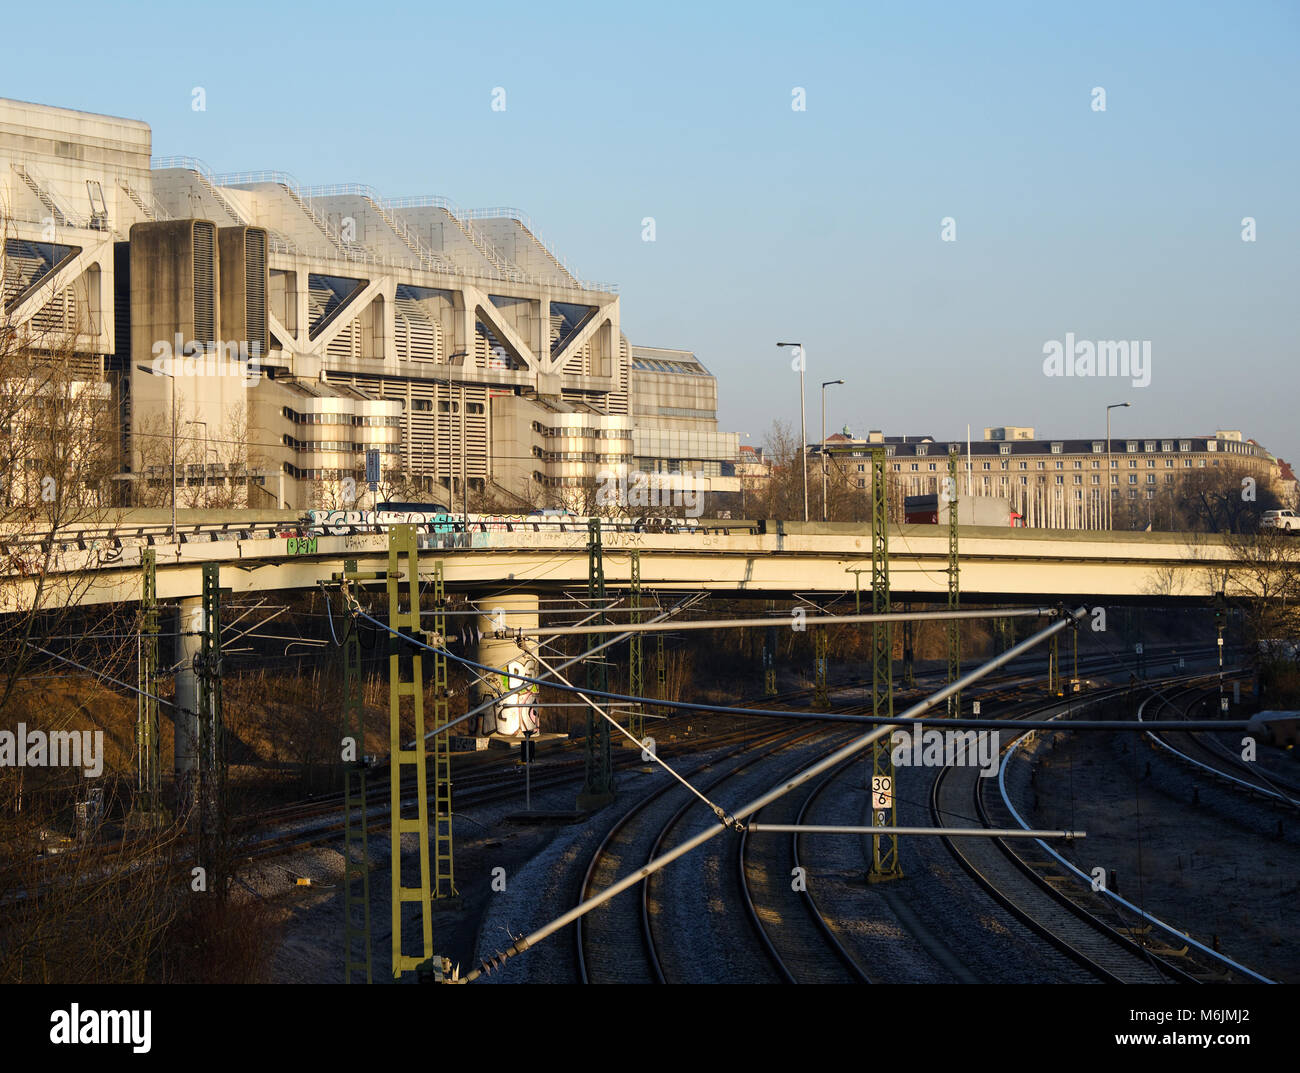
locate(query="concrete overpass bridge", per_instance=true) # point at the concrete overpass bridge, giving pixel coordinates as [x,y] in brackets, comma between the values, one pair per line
[724,558]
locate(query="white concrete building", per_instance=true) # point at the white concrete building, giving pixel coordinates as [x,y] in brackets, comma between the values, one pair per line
[289,330]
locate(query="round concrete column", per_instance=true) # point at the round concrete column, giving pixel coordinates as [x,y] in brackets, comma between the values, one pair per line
[501,617]
[185,738]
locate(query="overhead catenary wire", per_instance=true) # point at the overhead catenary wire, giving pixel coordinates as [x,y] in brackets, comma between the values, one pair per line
[717,810]
[974,722]
[803,624]
[822,766]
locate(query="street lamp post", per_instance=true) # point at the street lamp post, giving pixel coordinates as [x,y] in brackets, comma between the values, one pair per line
[205,457]
[825,385]
[1110,502]
[172,377]
[803,426]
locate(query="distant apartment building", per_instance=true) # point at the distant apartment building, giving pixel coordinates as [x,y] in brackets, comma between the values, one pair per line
[1054,483]
[287,331]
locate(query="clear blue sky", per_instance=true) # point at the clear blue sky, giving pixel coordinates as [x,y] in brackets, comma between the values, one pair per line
[822,225]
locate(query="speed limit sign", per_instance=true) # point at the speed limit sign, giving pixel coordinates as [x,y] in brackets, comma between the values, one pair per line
[882,792]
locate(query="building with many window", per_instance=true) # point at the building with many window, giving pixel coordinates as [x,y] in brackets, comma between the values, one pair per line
[1054,483]
[287,330]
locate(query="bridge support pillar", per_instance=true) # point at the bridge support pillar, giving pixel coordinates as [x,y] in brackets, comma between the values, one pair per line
[185,738]
[499,620]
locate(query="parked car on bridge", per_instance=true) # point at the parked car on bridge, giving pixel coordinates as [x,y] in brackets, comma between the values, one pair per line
[1286,520]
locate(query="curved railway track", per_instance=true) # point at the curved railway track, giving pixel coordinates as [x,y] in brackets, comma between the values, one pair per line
[1029,888]
[616,942]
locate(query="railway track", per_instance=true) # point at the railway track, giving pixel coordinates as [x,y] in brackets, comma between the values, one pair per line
[1206,754]
[616,942]
[1029,887]
[792,925]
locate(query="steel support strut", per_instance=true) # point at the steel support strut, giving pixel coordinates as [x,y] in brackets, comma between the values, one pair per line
[147,808]
[954,586]
[769,656]
[598,785]
[821,692]
[635,669]
[406,683]
[884,848]
[444,879]
[356,856]
[213,844]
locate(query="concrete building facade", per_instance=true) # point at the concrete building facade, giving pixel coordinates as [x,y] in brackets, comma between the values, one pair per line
[285,330]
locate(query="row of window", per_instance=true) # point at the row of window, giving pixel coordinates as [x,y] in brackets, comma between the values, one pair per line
[1099,447]
[363,421]
[580,456]
[426,406]
[341,446]
[1169,464]
[584,433]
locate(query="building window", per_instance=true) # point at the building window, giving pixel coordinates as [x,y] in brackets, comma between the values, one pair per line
[1056,448]
[1149,446]
[922,449]
[988,465]
[1184,445]
[1166,445]
[1005,449]
[1131,447]
[1098,447]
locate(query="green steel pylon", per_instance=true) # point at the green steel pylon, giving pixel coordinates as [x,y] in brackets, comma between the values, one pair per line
[213,844]
[404,658]
[661,671]
[147,807]
[444,880]
[884,848]
[954,588]
[821,693]
[356,845]
[598,786]
[635,670]
[769,655]
[909,648]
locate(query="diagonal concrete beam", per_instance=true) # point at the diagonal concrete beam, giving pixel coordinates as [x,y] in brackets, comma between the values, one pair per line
[602,316]
[482,306]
